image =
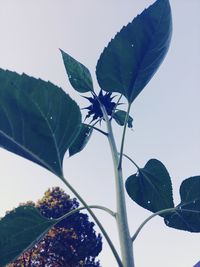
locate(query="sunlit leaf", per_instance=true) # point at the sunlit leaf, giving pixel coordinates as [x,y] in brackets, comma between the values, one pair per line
[38,120]
[187,214]
[19,230]
[134,55]
[120,115]
[81,140]
[151,187]
[79,76]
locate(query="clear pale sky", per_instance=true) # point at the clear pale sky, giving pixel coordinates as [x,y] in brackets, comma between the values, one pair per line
[166,113]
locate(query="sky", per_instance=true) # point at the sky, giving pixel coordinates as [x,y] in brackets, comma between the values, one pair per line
[166,113]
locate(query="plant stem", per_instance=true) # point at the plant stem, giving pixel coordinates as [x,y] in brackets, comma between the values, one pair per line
[123,136]
[112,213]
[149,218]
[131,161]
[121,216]
[96,220]
[82,208]
[117,103]
[95,128]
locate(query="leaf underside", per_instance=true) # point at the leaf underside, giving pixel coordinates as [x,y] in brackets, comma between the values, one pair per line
[151,187]
[187,214]
[81,140]
[79,76]
[130,60]
[120,115]
[38,120]
[19,230]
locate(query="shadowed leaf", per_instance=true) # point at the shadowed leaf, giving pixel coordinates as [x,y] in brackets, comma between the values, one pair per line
[38,120]
[20,229]
[120,115]
[136,52]
[151,187]
[187,214]
[81,140]
[79,76]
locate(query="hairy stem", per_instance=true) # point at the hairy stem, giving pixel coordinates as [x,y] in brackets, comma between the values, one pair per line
[121,216]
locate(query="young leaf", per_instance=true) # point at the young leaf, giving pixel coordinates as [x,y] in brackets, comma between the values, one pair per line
[79,76]
[19,230]
[120,115]
[81,140]
[38,121]
[187,214]
[151,187]
[130,60]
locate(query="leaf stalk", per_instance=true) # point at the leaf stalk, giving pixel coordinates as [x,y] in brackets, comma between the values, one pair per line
[126,156]
[123,136]
[95,128]
[148,219]
[83,208]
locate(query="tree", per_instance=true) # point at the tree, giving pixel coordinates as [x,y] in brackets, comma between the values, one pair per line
[72,242]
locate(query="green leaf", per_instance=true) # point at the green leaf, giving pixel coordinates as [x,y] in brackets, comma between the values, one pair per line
[120,115]
[130,60]
[187,214]
[151,187]
[38,120]
[81,140]
[79,76]
[19,230]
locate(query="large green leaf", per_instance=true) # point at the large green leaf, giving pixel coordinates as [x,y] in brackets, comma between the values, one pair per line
[120,115]
[79,76]
[38,120]
[19,230]
[134,55]
[81,140]
[187,214]
[151,187]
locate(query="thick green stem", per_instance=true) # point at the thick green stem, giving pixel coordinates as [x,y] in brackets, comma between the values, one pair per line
[121,216]
[96,220]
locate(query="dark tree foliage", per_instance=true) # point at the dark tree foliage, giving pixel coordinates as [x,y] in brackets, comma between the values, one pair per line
[73,242]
